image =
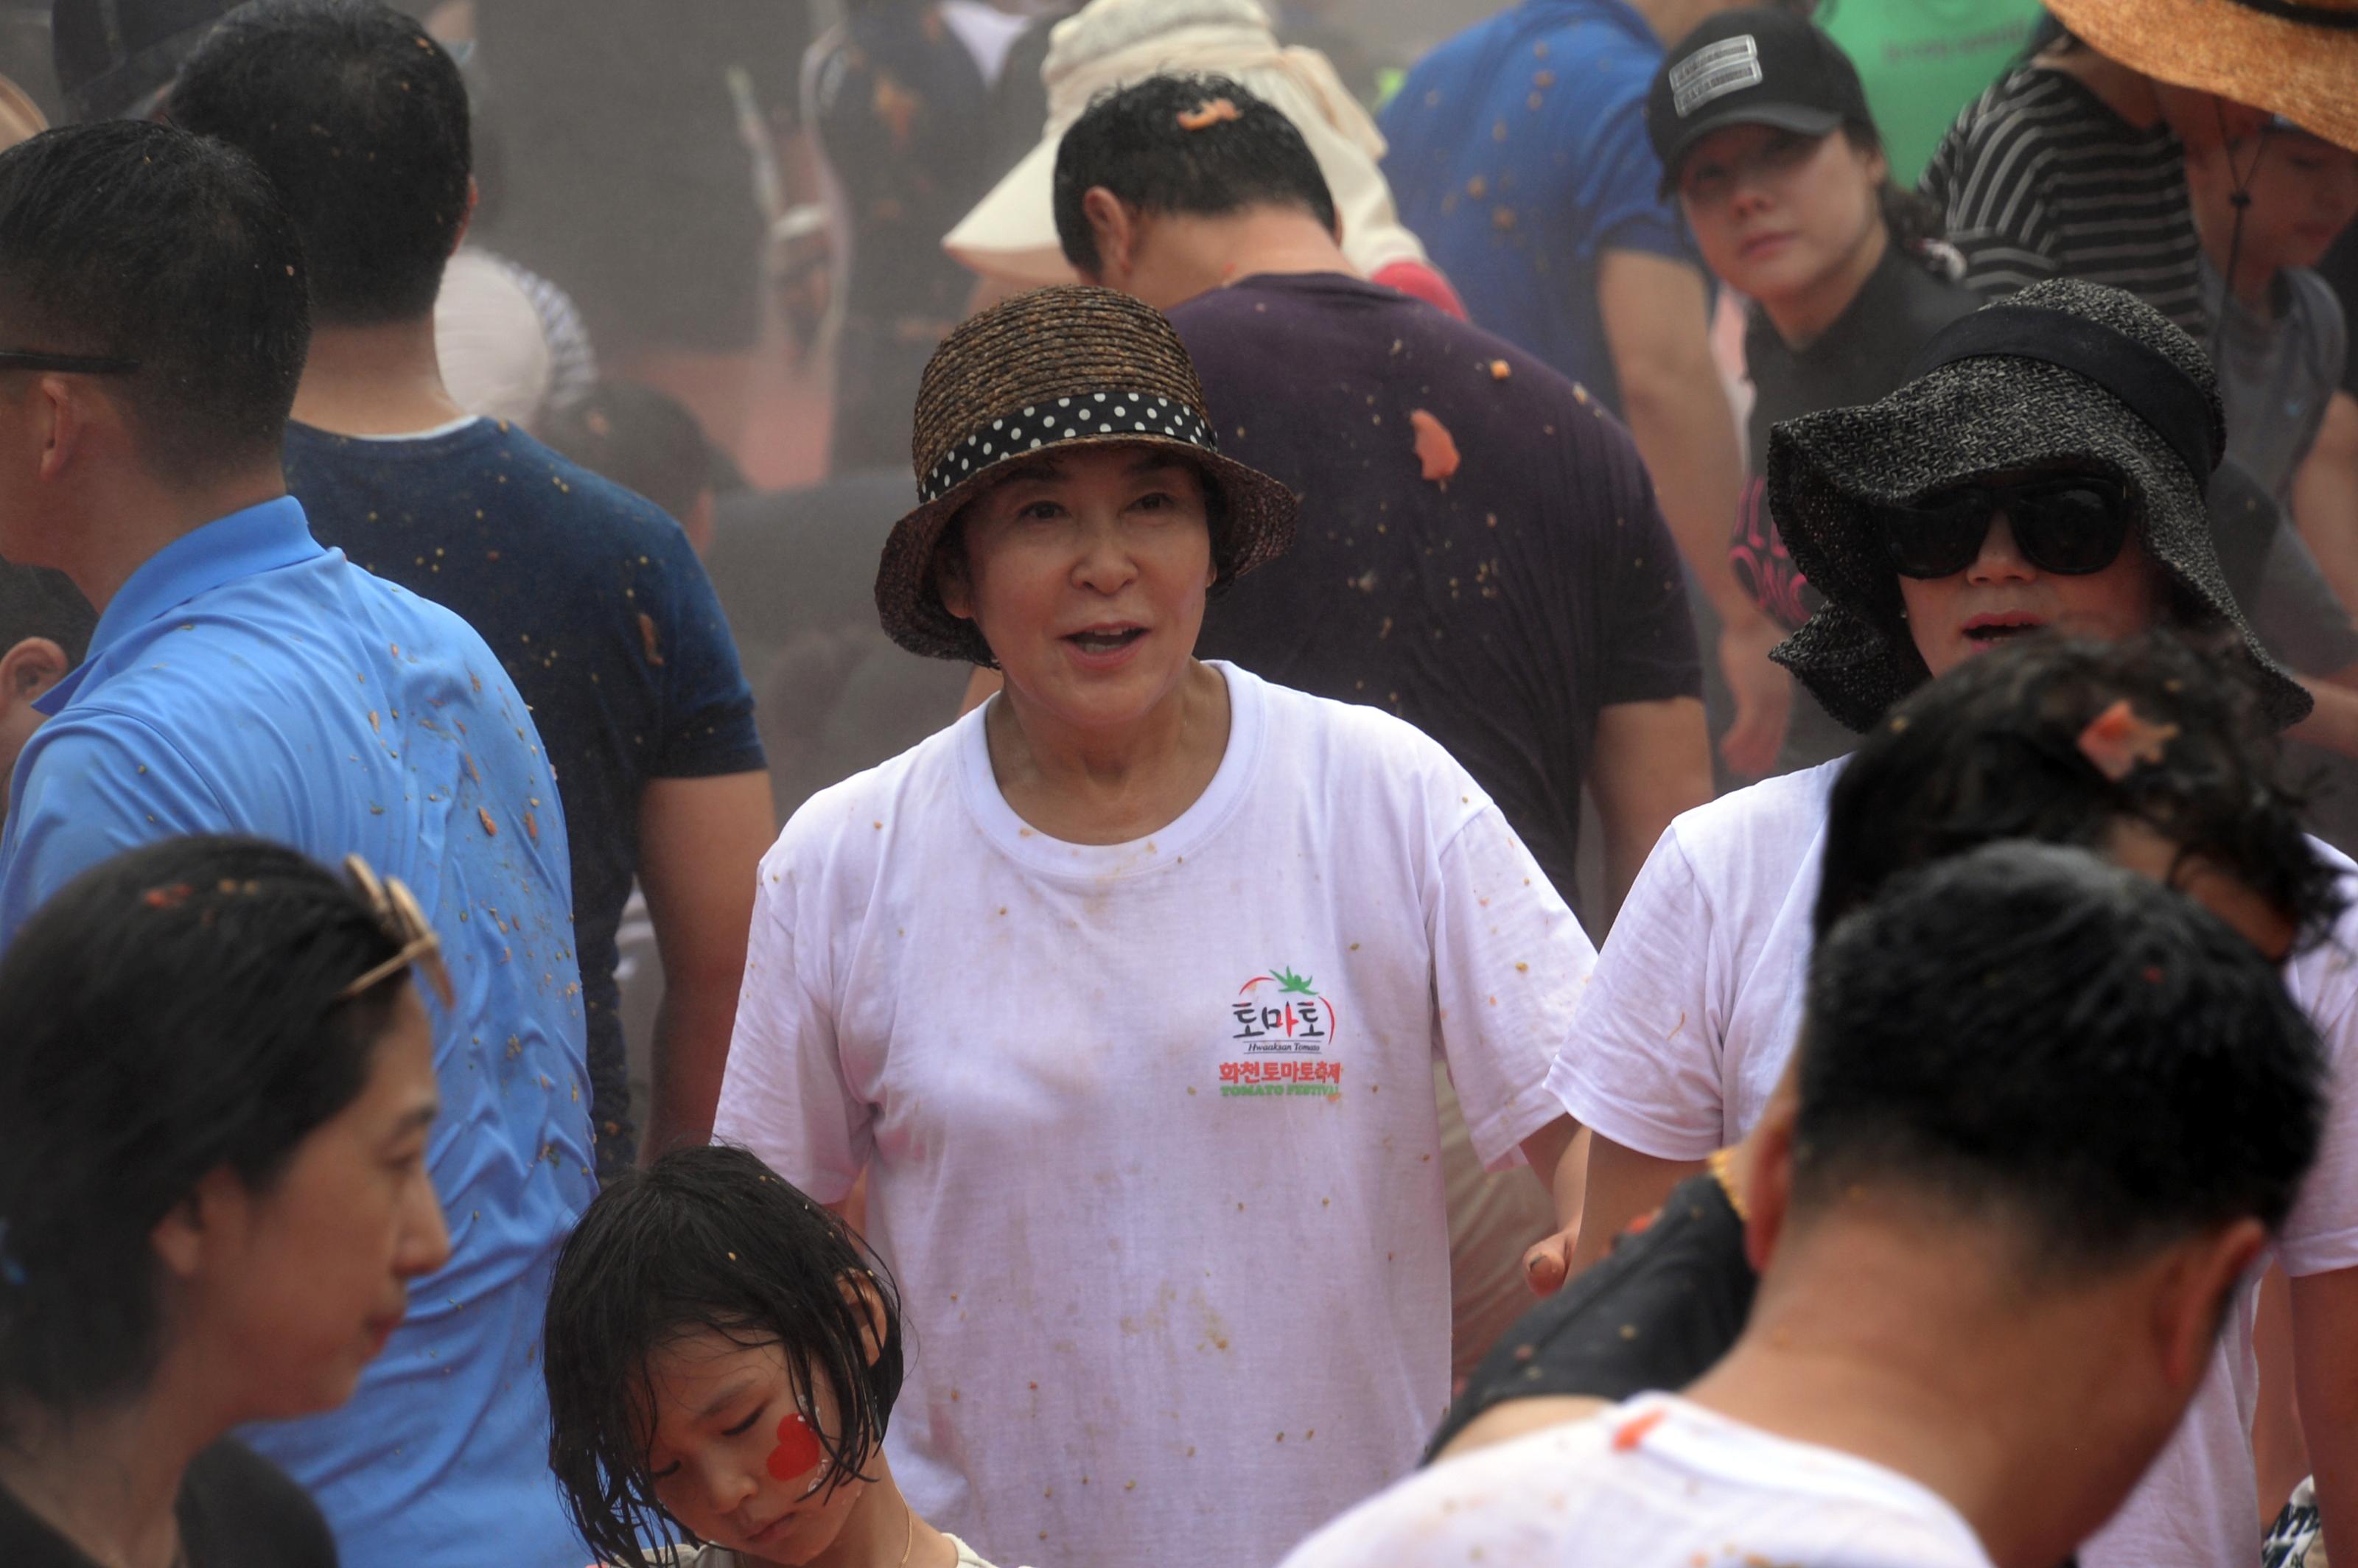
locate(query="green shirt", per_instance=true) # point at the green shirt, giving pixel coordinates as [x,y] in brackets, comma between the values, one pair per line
[1923,61]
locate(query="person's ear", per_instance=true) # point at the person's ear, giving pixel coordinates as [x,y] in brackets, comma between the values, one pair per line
[1765,1166]
[2194,1285]
[951,580]
[194,1231]
[1115,228]
[65,426]
[467,219]
[29,669]
[861,1291]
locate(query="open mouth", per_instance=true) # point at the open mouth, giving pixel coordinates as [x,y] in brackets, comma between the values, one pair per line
[1100,640]
[1992,630]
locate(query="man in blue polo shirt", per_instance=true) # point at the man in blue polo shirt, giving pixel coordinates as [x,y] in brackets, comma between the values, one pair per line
[1518,155]
[152,324]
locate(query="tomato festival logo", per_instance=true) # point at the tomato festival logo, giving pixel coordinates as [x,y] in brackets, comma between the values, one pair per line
[1285,1031]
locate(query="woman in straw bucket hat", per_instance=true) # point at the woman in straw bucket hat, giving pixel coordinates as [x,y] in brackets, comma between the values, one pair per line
[2294,57]
[2044,467]
[2071,164]
[1124,991]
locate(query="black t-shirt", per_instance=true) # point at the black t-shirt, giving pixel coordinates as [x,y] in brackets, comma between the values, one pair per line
[1496,609]
[1863,356]
[599,612]
[1655,1314]
[236,1510]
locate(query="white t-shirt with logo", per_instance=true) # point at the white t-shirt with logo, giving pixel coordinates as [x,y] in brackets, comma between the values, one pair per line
[1151,1127]
[1693,1011]
[1655,1483]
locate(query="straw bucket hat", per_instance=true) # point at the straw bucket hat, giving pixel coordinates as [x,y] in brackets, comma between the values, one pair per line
[1059,369]
[1111,44]
[2065,371]
[2294,57]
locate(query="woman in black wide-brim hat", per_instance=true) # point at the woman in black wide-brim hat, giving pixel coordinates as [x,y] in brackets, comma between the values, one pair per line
[2045,467]
[1124,991]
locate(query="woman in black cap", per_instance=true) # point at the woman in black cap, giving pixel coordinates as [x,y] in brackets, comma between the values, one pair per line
[2044,469]
[1124,991]
[1763,133]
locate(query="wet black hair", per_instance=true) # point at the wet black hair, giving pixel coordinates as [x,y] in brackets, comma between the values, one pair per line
[172,1011]
[705,1238]
[2030,1035]
[1990,752]
[361,119]
[128,240]
[1132,142]
[642,440]
[36,602]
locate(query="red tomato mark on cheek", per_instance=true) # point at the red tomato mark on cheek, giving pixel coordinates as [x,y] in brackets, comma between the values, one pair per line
[797,1453]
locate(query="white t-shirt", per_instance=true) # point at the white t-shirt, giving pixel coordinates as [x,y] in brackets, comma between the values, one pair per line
[1151,1127]
[1655,1483]
[1694,1009]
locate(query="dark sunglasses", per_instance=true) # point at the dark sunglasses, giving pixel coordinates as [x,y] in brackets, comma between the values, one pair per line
[2071,524]
[79,364]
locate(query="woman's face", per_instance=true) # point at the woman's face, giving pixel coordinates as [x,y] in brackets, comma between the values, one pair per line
[2002,596]
[2303,193]
[300,1282]
[1779,214]
[735,1458]
[1086,571]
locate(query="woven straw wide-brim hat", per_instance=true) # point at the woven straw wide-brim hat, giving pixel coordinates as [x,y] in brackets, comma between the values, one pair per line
[2294,57]
[1985,411]
[1055,370]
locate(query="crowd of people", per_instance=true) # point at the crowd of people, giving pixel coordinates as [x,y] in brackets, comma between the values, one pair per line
[1584,804]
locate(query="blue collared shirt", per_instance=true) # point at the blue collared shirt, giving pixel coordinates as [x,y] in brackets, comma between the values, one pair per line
[1518,155]
[246,680]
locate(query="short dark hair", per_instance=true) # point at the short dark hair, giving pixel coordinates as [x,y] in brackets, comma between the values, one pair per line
[361,119]
[1991,751]
[172,1011]
[708,1238]
[132,241]
[36,602]
[2029,1033]
[642,440]
[1137,143]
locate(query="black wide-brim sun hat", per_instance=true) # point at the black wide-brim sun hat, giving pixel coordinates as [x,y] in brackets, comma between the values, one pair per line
[1057,370]
[1983,410]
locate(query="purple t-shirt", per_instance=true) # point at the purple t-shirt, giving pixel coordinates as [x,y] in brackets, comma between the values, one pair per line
[1496,609]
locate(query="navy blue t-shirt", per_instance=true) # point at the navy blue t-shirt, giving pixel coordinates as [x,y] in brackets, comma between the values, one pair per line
[1498,610]
[598,608]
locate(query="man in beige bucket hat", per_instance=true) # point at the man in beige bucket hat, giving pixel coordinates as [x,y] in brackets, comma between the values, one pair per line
[1010,237]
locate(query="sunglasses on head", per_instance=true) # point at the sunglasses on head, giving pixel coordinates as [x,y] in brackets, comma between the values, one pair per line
[2071,524]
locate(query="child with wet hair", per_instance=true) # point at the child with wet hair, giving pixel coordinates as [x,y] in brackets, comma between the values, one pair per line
[722,1358]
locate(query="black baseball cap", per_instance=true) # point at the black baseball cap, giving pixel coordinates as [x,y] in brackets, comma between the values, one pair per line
[1751,68]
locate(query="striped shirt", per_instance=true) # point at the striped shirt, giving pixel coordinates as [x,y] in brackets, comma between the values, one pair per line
[2039,179]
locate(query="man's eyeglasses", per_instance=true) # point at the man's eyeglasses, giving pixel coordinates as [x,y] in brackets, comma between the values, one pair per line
[2071,525]
[73,364]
